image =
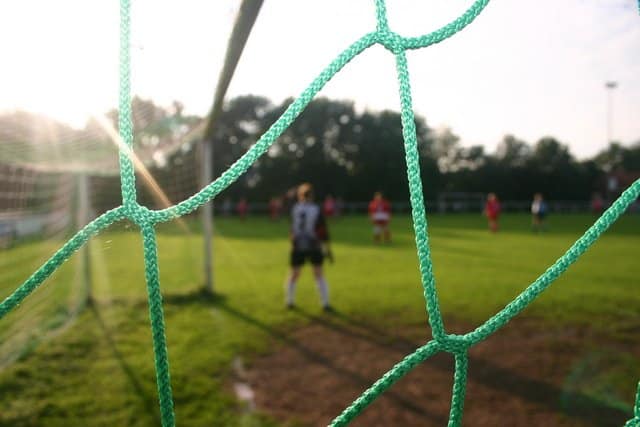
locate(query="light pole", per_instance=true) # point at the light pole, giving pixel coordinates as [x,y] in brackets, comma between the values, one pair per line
[612,184]
[610,86]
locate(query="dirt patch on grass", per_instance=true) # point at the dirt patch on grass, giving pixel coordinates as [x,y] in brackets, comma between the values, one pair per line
[525,375]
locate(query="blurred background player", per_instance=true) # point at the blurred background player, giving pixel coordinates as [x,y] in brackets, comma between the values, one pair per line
[380,215]
[227,207]
[538,212]
[492,211]
[597,203]
[242,208]
[308,234]
[329,206]
[275,208]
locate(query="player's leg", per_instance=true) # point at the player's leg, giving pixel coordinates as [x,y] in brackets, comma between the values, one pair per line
[377,231]
[290,286]
[297,259]
[386,233]
[318,273]
[493,224]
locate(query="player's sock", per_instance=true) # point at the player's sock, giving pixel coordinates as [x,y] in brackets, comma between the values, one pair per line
[323,288]
[290,291]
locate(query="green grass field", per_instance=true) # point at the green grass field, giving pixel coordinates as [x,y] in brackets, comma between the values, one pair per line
[97,368]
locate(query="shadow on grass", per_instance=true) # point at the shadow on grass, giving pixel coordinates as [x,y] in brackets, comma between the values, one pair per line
[148,400]
[487,373]
[583,407]
[354,377]
[220,302]
[199,296]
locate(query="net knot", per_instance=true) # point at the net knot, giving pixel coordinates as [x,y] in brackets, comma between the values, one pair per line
[390,40]
[138,214]
[453,343]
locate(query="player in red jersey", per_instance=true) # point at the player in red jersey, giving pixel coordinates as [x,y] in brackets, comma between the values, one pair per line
[242,208]
[329,206]
[380,215]
[492,211]
[275,208]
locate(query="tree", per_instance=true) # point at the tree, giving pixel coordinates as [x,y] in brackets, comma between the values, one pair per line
[445,148]
[617,156]
[550,155]
[513,152]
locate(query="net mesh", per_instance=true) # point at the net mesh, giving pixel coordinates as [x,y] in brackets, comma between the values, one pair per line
[148,219]
[35,203]
[54,179]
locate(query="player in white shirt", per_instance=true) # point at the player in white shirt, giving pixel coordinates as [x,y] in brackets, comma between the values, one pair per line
[308,235]
[538,212]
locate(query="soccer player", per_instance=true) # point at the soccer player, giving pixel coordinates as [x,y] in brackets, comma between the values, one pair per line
[242,208]
[308,235]
[538,212]
[275,207]
[329,206]
[597,204]
[492,211]
[380,215]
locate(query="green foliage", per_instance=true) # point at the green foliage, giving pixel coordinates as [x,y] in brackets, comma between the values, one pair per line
[617,156]
[330,144]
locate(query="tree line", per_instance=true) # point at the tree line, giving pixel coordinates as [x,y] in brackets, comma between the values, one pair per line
[352,154]
[344,152]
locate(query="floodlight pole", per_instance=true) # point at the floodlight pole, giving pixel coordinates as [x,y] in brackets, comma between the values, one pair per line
[610,86]
[245,19]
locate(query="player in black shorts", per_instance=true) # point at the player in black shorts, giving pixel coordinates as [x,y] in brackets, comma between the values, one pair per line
[308,235]
[539,211]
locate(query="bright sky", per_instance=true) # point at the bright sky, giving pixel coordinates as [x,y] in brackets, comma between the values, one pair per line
[527,67]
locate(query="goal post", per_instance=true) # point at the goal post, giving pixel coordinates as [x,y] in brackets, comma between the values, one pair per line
[247,15]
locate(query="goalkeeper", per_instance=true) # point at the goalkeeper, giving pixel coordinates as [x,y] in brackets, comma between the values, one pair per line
[309,241]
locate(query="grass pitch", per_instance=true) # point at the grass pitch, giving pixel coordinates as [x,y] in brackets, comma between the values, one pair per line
[96,367]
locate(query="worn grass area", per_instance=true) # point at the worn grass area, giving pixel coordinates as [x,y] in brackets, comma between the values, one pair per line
[99,369]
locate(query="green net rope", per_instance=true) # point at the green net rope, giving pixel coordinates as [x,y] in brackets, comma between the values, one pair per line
[146,219]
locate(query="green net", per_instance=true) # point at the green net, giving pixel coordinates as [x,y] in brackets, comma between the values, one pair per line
[147,220]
